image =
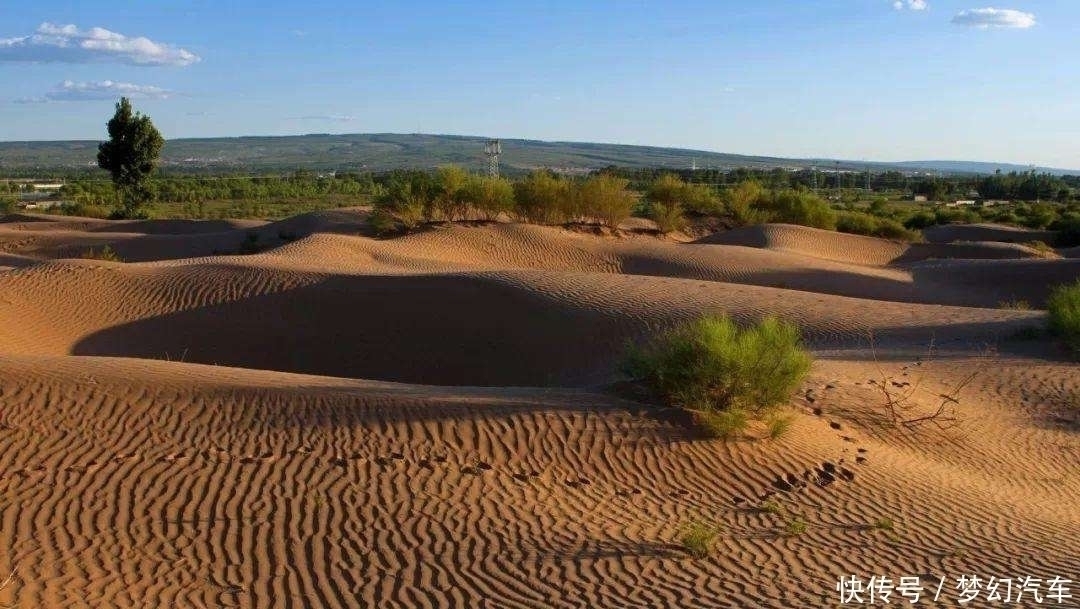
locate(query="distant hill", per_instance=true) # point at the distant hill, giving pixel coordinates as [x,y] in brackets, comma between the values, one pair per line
[978,167]
[382,151]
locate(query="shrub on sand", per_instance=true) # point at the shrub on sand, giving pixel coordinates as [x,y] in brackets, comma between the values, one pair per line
[106,253]
[778,425]
[1064,309]
[723,373]
[668,216]
[795,527]
[606,198]
[698,538]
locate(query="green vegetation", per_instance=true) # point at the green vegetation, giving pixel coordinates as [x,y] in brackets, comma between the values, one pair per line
[1064,309]
[723,424]
[543,198]
[412,198]
[795,527]
[771,506]
[1015,305]
[885,524]
[699,537]
[778,425]
[105,253]
[797,207]
[861,223]
[130,155]
[723,373]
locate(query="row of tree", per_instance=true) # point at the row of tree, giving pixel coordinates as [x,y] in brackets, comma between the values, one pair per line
[451,193]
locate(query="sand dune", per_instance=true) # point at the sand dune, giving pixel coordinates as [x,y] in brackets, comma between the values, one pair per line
[430,420]
[949,233]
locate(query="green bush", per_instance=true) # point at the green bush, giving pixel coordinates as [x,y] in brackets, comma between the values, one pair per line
[699,537]
[739,203]
[670,191]
[1064,309]
[797,207]
[401,207]
[668,216]
[605,198]
[542,198]
[859,223]
[920,220]
[1068,229]
[720,371]
[488,195]
[106,253]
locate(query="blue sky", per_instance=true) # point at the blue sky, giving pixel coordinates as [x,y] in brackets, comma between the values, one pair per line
[855,79]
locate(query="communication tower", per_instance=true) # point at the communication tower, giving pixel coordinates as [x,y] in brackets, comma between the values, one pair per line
[492,150]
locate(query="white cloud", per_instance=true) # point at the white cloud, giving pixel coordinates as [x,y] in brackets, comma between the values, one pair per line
[91,91]
[68,44]
[915,5]
[994,18]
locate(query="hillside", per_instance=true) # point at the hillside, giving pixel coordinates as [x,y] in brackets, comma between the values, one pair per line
[381,151]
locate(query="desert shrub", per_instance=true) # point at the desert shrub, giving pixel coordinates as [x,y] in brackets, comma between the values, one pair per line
[7,205]
[605,198]
[1068,229]
[778,425]
[1037,216]
[739,202]
[488,195]
[699,537]
[669,191]
[668,216]
[1042,248]
[920,220]
[885,524]
[84,210]
[723,424]
[859,223]
[542,198]
[796,207]
[105,253]
[795,527]
[400,207]
[1063,307]
[449,201]
[771,506]
[1015,305]
[950,215]
[722,372]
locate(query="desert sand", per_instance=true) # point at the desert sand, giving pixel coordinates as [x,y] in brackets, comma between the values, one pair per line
[437,419]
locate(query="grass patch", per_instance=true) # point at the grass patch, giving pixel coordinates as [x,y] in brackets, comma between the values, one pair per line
[1015,305]
[1045,250]
[722,373]
[699,537]
[106,253]
[723,424]
[1064,309]
[778,425]
[795,527]
[771,506]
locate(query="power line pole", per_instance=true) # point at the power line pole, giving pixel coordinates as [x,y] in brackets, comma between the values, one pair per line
[492,150]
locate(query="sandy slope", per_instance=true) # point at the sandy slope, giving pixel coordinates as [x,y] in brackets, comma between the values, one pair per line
[506,475]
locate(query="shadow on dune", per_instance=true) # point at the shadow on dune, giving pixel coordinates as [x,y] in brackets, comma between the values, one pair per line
[990,284]
[443,330]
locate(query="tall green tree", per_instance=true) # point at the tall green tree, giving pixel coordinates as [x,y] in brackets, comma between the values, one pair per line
[130,155]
